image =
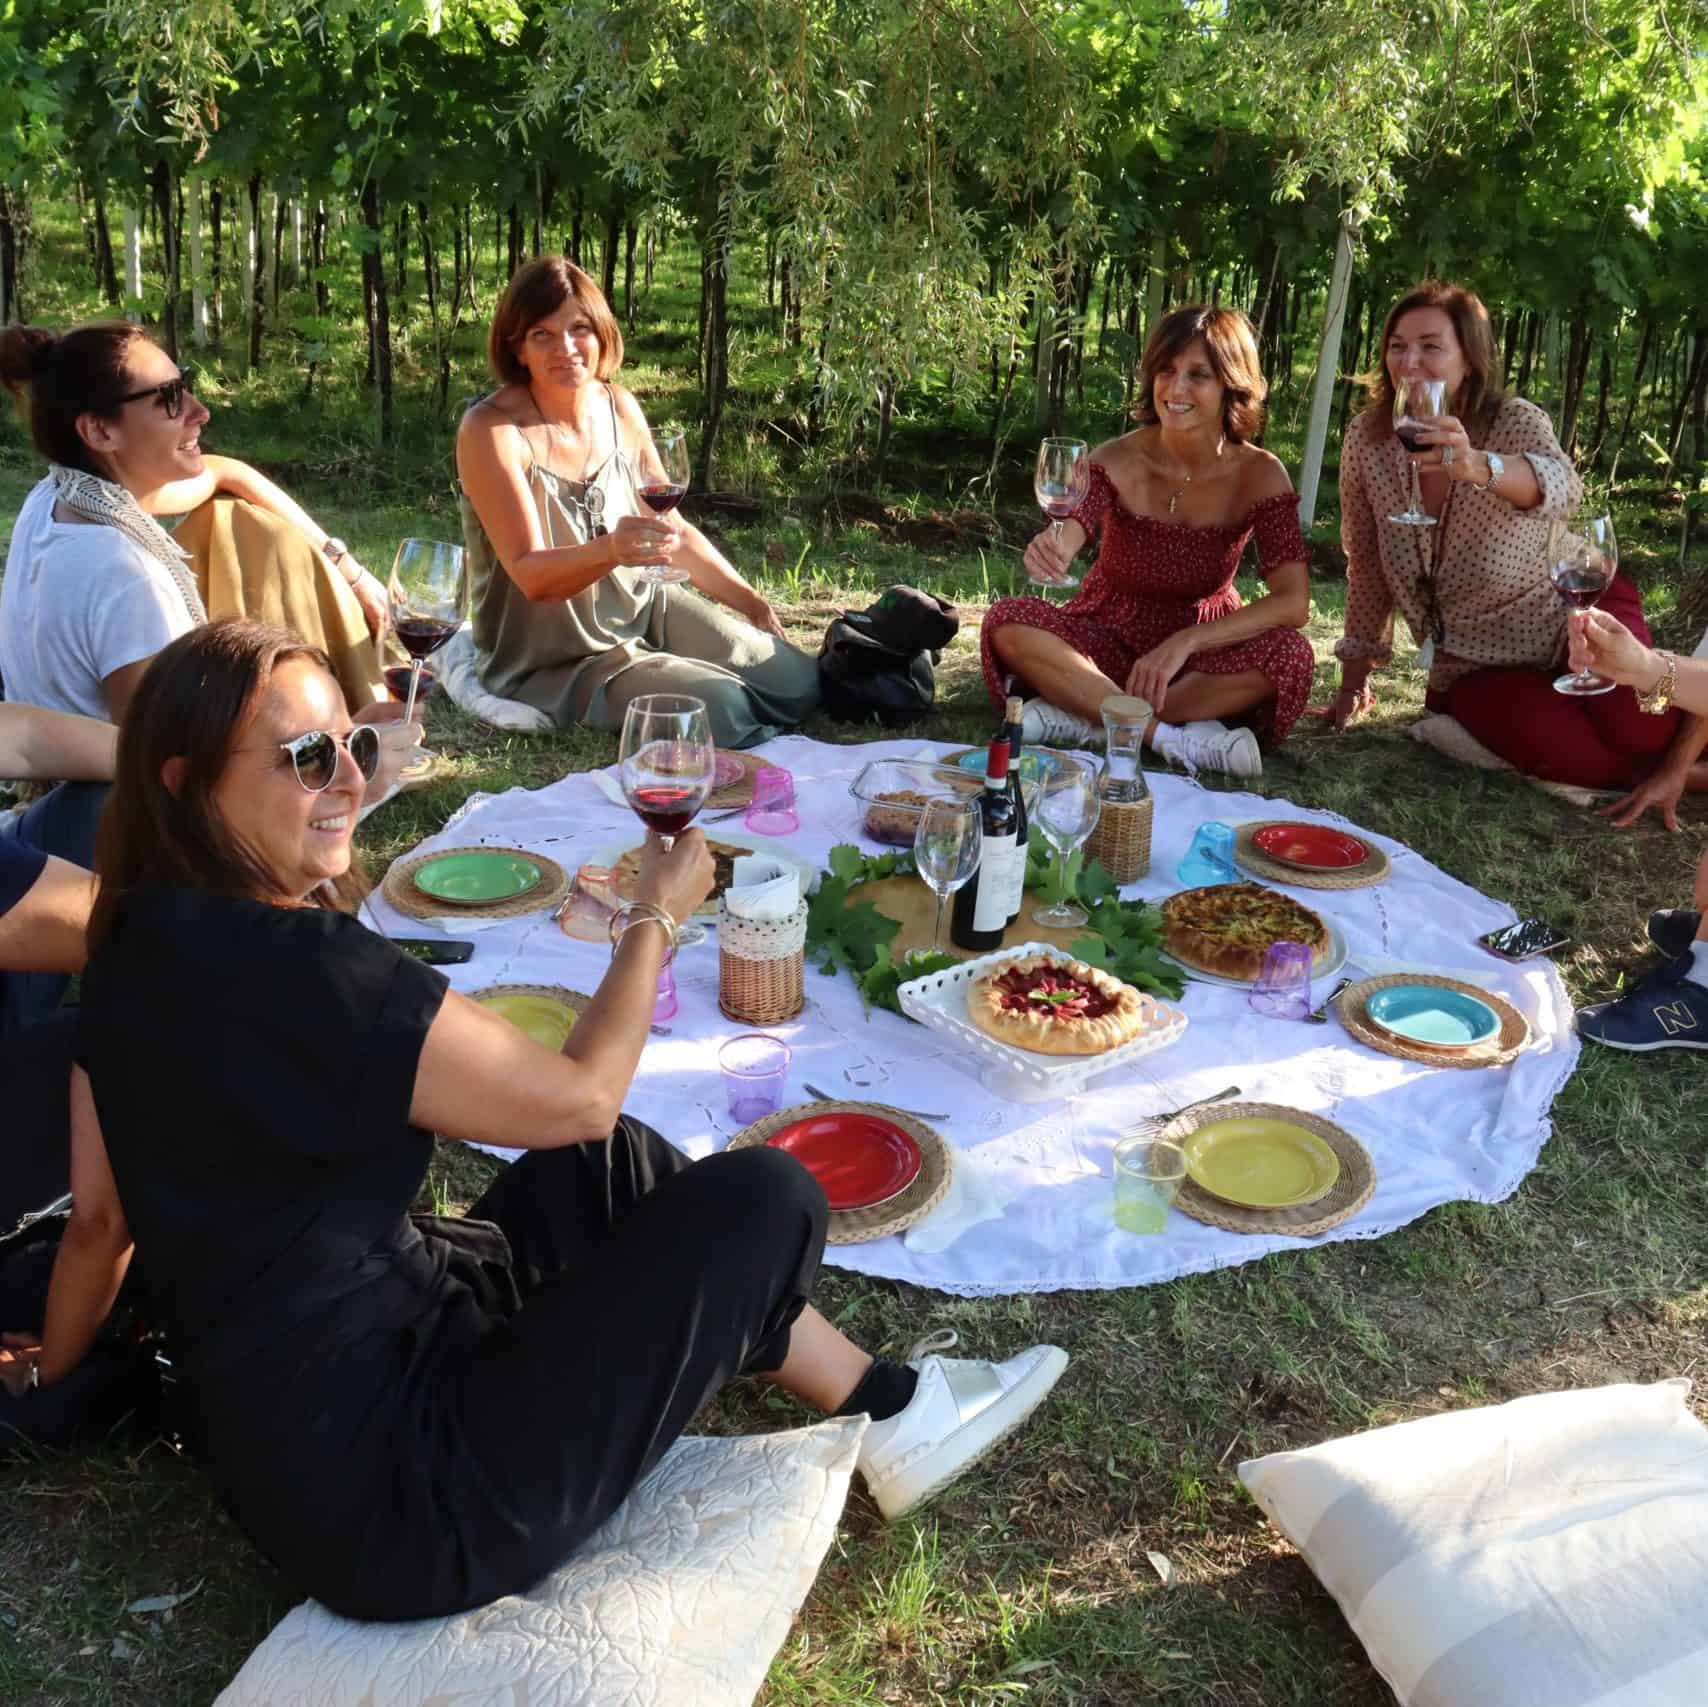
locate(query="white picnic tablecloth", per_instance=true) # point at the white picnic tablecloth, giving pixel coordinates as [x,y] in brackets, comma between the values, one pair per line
[1436,1135]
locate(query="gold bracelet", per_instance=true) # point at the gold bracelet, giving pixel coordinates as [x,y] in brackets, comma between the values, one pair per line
[639,913]
[1658,699]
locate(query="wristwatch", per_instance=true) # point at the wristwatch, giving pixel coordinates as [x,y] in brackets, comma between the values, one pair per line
[1497,467]
[335,549]
[1659,698]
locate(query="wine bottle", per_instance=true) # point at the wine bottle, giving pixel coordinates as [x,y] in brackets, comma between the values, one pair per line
[981,906]
[1017,795]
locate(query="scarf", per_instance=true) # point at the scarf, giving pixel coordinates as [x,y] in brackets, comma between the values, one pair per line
[103,501]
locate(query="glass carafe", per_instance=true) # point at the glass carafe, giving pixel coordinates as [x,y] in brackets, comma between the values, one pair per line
[1121,780]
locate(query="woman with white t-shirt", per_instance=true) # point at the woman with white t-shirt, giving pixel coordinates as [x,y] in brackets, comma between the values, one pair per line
[94,586]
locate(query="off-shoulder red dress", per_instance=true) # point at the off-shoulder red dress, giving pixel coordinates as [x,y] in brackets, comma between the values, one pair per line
[1153,578]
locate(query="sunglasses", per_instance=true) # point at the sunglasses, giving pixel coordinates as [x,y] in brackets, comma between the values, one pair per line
[314,756]
[170,395]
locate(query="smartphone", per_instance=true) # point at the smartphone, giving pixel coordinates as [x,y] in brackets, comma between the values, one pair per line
[1526,938]
[434,950]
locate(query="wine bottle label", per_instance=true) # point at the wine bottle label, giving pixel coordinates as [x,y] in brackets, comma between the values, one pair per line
[992,911]
[1016,886]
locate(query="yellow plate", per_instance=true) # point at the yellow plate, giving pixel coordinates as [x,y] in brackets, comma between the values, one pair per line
[1261,1163]
[540,1017]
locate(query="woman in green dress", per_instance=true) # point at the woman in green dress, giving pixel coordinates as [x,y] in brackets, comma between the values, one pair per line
[550,466]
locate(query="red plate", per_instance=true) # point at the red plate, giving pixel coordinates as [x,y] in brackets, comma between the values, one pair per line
[1315,847]
[859,1159]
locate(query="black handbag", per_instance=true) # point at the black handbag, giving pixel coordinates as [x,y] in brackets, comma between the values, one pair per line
[118,1385]
[879,663]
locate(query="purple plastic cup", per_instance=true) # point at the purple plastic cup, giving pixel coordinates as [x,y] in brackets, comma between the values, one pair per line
[666,1005]
[772,809]
[754,1067]
[1283,987]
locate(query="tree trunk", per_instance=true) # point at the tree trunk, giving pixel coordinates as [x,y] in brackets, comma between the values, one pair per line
[170,268]
[400,243]
[257,273]
[10,308]
[816,406]
[1509,345]
[613,226]
[1576,372]
[281,208]
[1645,343]
[379,326]
[716,342]
[1531,333]
[1328,364]
[216,297]
[651,252]
[1608,351]
[198,270]
[575,232]
[630,232]
[886,419]
[1687,392]
[317,254]
[133,254]
[515,247]
[106,273]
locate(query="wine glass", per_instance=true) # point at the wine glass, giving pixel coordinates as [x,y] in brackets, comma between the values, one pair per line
[1582,565]
[946,848]
[1061,481]
[666,765]
[1066,813]
[663,484]
[1418,402]
[428,596]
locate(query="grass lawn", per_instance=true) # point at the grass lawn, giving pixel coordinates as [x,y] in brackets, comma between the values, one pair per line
[1031,1580]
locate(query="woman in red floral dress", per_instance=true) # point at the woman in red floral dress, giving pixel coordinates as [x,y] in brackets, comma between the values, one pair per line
[1172,505]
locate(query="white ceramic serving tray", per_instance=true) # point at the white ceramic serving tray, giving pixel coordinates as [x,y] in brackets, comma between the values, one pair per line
[939,1000]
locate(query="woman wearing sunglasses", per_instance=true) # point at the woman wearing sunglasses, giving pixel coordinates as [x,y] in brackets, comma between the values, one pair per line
[95,586]
[414,1416]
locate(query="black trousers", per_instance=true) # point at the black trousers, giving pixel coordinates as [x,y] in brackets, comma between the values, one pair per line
[648,1282]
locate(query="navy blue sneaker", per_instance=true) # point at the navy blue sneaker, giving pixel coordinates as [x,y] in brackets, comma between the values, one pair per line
[1664,1011]
[1673,929]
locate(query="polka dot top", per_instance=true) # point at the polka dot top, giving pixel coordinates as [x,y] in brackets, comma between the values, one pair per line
[1489,561]
[1175,563]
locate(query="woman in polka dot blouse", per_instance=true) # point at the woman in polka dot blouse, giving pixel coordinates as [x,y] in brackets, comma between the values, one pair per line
[1474,588]
[1172,505]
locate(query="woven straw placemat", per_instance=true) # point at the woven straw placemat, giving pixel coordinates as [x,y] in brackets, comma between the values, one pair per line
[1349,1193]
[401,892]
[1514,1032]
[739,792]
[856,1226]
[1376,869]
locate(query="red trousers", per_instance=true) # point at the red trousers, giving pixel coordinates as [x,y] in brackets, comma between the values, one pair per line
[1602,741]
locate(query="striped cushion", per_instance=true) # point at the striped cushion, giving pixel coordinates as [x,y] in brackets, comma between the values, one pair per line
[1552,1551]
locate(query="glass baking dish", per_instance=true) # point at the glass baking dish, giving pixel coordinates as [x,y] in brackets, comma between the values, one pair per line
[892,793]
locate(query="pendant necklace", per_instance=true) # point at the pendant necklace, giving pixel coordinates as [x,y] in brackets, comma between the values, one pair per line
[1175,496]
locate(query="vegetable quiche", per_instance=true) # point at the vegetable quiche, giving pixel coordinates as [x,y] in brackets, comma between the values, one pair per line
[1227,928]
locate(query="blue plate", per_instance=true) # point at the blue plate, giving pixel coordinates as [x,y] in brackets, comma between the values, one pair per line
[1440,1019]
[1034,765]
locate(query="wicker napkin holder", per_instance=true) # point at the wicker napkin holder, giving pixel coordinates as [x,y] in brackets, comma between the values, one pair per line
[761,966]
[1121,843]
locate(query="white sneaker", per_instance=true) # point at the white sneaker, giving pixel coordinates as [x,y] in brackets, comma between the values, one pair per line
[1208,746]
[1040,721]
[961,1408]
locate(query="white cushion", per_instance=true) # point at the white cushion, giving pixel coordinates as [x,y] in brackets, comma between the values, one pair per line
[682,1597]
[1552,1552]
[459,670]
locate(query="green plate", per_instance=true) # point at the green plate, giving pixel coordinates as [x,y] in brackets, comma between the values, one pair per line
[476,877]
[1261,1163]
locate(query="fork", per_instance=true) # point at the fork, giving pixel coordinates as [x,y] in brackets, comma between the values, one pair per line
[1319,1014]
[917,1113]
[1152,1124]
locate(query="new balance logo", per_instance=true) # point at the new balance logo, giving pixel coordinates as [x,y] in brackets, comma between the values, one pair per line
[1675,1017]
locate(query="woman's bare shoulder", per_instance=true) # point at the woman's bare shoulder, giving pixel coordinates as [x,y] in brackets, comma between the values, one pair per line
[1121,452]
[1262,474]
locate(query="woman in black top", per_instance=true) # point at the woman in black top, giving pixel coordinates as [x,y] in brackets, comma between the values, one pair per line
[414,1416]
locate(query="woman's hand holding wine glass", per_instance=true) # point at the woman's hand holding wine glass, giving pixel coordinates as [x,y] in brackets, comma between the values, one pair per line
[1418,404]
[666,765]
[663,485]
[1582,561]
[1060,482]
[429,600]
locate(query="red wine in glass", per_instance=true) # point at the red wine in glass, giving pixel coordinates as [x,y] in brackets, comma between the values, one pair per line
[1418,402]
[1579,584]
[422,636]
[397,681]
[662,497]
[1410,434]
[664,481]
[1583,558]
[666,809]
